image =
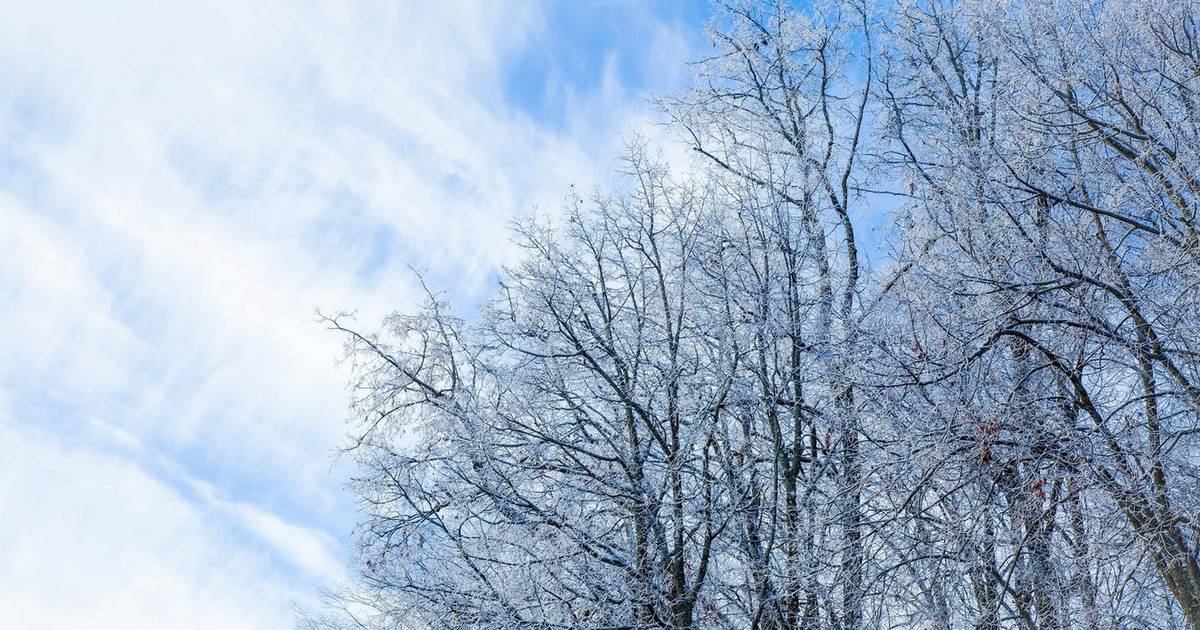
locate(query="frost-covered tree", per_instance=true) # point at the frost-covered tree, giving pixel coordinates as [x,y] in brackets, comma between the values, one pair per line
[1052,296]
[692,404]
[777,117]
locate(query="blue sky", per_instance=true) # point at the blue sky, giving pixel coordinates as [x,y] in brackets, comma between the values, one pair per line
[180,187]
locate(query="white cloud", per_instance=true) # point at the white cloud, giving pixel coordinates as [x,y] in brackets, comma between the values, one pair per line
[97,543]
[310,550]
[180,185]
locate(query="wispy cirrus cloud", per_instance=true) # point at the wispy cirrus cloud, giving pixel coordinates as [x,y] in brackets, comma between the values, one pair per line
[180,185]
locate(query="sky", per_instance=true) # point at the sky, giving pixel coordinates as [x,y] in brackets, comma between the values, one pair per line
[181,186]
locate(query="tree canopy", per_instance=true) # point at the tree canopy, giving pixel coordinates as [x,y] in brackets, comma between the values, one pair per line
[693,404]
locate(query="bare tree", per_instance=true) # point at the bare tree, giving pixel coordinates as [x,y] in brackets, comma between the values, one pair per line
[693,404]
[1052,149]
[776,112]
